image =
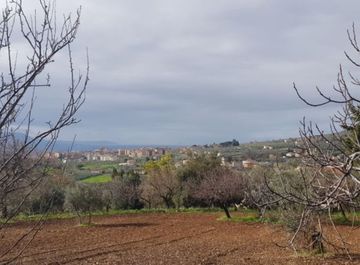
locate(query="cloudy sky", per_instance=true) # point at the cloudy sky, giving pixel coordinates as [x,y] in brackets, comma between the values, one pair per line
[200,71]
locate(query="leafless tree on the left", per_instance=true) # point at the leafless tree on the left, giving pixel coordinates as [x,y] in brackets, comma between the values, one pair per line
[23,76]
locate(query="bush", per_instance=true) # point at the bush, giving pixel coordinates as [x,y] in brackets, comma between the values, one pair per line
[85,199]
[127,192]
[50,201]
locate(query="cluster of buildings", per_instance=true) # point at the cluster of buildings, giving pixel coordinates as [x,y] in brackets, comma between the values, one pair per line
[105,154]
[153,153]
[133,156]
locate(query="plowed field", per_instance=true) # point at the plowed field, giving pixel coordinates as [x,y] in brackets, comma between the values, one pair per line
[163,239]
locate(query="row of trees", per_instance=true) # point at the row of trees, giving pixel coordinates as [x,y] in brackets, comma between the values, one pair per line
[202,182]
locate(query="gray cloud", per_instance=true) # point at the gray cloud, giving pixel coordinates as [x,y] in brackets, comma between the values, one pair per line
[183,72]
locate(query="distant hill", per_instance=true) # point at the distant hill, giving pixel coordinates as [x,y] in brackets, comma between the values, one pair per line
[65,146]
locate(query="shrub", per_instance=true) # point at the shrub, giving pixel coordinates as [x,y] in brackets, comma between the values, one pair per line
[50,201]
[85,199]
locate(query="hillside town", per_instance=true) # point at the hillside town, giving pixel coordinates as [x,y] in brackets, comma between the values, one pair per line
[239,156]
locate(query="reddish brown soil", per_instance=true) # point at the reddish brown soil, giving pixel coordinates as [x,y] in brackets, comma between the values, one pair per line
[163,239]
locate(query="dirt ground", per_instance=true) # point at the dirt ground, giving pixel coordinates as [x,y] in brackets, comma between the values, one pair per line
[164,239]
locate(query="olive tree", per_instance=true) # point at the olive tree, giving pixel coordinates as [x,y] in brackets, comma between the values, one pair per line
[161,182]
[85,199]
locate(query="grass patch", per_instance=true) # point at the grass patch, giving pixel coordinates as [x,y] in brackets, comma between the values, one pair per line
[240,219]
[352,219]
[196,210]
[248,216]
[98,179]
[50,216]
[98,166]
[243,216]
[113,212]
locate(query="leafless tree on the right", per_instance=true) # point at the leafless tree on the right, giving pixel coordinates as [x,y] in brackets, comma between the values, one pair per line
[330,177]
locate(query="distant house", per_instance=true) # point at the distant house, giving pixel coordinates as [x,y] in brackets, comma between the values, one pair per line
[131,162]
[223,161]
[106,158]
[122,152]
[52,155]
[249,163]
[185,161]
[267,147]
[290,154]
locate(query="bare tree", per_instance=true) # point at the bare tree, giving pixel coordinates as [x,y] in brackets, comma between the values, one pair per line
[221,187]
[256,193]
[330,177]
[22,163]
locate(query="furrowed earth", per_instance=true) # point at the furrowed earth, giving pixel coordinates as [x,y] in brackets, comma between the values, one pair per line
[165,238]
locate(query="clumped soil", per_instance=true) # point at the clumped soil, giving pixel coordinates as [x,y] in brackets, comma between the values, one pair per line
[184,238]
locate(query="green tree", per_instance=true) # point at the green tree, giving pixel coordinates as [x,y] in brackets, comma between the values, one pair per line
[192,173]
[85,199]
[197,166]
[126,191]
[162,181]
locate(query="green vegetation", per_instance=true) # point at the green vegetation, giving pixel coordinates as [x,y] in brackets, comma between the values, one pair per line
[245,216]
[251,216]
[98,165]
[113,212]
[86,170]
[98,179]
[351,219]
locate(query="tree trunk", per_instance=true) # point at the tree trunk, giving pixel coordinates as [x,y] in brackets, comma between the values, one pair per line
[4,211]
[317,242]
[168,202]
[343,212]
[262,212]
[89,218]
[226,210]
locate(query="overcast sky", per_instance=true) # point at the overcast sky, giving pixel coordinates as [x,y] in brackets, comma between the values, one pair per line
[200,71]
